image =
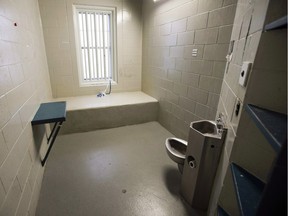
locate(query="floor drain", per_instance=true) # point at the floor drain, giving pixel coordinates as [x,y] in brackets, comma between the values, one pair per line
[124,191]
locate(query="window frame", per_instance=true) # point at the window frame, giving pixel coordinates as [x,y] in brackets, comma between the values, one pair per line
[93,8]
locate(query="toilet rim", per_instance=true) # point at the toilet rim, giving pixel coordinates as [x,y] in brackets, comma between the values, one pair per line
[184,142]
[175,152]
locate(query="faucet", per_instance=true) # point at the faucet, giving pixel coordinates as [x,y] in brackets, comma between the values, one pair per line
[220,122]
[103,93]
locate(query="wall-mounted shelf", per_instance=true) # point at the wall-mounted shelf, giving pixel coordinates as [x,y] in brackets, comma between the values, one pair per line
[221,212]
[54,112]
[273,125]
[248,189]
[277,24]
[50,113]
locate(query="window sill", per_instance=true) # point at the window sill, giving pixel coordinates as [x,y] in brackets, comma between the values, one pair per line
[83,85]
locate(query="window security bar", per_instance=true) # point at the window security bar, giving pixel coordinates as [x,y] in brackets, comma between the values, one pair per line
[96,44]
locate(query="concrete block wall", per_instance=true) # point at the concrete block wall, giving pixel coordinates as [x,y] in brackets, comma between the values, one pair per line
[187,87]
[24,83]
[267,86]
[247,33]
[58,27]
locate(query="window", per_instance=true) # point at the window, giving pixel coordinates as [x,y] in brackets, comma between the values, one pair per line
[95,44]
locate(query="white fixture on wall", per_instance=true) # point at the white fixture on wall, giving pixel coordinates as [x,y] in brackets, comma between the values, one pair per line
[246,66]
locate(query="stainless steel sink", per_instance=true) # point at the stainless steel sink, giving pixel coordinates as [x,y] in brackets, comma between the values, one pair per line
[205,142]
[205,127]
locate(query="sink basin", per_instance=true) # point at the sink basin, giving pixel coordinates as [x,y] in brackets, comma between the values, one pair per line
[203,154]
[205,127]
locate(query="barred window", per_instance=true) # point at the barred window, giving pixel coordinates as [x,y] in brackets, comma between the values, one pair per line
[95,41]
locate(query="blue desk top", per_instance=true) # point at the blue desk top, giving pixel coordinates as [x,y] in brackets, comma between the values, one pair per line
[273,125]
[50,112]
[248,189]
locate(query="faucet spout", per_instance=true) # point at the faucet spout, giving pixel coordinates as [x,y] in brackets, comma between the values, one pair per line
[220,122]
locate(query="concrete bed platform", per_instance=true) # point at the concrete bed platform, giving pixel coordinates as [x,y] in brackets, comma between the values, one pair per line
[88,113]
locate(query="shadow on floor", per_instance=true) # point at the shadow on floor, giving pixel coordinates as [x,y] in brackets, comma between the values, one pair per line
[172,180]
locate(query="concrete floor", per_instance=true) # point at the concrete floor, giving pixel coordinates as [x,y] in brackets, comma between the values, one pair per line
[119,171]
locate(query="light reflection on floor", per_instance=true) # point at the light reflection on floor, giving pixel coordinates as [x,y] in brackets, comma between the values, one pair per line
[120,171]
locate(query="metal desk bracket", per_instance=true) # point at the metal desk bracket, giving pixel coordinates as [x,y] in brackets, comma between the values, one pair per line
[54,112]
[56,128]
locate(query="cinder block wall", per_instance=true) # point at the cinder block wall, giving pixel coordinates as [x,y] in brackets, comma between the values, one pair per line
[266,88]
[24,83]
[187,86]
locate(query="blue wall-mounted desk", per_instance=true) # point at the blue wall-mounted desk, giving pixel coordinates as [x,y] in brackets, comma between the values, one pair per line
[50,113]
[277,24]
[54,112]
[273,125]
[248,190]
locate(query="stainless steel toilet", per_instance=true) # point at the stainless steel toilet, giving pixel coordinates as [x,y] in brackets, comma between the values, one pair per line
[198,159]
[176,149]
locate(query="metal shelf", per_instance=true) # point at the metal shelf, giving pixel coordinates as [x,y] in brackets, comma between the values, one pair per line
[54,112]
[272,124]
[248,189]
[277,24]
[50,113]
[221,212]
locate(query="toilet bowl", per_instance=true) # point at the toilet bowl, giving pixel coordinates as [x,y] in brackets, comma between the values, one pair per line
[176,149]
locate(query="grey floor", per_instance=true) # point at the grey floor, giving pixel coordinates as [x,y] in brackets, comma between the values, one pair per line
[119,171]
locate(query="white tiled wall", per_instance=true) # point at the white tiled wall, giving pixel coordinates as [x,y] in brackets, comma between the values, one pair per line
[268,83]
[24,83]
[244,50]
[188,87]
[247,32]
[60,45]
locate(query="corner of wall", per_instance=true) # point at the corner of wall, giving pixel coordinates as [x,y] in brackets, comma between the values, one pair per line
[24,84]
[250,43]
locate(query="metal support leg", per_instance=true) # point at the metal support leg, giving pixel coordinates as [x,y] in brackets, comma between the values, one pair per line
[52,132]
[52,141]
